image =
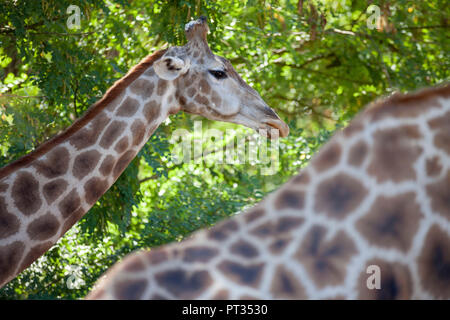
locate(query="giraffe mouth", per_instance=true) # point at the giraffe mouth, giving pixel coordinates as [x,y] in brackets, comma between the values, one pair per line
[269,125]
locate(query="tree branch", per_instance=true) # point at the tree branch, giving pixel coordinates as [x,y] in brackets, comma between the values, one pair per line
[20,97]
[153,177]
[301,67]
[426,27]
[8,30]
[303,103]
[63,33]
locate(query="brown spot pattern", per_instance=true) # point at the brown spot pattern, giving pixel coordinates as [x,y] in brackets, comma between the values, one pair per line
[85,163]
[391,222]
[130,289]
[395,152]
[279,244]
[439,193]
[338,196]
[128,107]
[433,166]
[133,264]
[53,189]
[244,249]
[221,295]
[43,227]
[328,157]
[222,230]
[86,137]
[57,163]
[199,254]
[442,135]
[204,87]
[434,263]
[286,286]
[162,87]
[74,217]
[121,145]
[35,253]
[246,275]
[357,154]
[123,162]
[70,203]
[138,131]
[326,261]
[191,92]
[9,223]
[10,256]
[151,111]
[143,88]
[395,282]
[107,165]
[353,128]
[253,215]
[156,256]
[201,99]
[25,192]
[281,226]
[94,189]
[184,284]
[115,102]
[182,101]
[301,178]
[290,199]
[111,134]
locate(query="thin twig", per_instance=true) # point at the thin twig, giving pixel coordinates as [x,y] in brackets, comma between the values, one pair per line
[426,27]
[75,99]
[300,67]
[63,33]
[303,103]
[153,177]
[20,97]
[8,30]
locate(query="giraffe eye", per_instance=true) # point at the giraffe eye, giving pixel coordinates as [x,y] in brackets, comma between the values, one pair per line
[218,74]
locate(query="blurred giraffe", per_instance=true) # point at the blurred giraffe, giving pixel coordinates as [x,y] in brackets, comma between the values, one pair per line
[368,218]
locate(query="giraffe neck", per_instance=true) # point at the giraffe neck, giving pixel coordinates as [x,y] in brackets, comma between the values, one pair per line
[43,195]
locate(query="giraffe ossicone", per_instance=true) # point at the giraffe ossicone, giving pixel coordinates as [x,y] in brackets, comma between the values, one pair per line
[368,218]
[45,192]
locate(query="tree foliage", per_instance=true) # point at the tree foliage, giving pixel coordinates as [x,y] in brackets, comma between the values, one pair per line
[315,62]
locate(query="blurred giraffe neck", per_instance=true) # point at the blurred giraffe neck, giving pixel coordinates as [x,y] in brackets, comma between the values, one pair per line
[375,197]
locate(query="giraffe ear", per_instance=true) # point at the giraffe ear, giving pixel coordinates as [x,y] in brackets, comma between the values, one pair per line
[170,68]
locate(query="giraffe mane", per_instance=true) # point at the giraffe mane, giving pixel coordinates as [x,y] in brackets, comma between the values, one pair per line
[396,99]
[114,91]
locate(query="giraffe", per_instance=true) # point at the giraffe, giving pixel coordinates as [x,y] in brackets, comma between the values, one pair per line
[368,218]
[45,192]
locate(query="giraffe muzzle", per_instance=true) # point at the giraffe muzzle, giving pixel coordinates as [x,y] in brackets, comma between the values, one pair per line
[281,126]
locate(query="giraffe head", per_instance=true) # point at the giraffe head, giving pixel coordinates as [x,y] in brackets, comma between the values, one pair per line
[208,85]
